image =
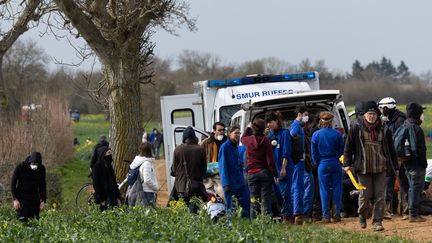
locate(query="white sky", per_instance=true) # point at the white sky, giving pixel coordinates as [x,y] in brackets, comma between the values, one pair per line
[338,31]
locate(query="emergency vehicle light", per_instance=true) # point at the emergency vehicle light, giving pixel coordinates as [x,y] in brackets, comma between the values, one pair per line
[261,79]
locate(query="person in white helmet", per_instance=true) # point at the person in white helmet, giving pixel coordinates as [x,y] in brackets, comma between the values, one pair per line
[393,119]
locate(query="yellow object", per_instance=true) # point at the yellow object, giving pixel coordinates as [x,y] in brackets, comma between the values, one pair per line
[357,185]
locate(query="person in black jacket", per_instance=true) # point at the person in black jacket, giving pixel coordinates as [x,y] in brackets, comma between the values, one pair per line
[415,168]
[29,187]
[104,180]
[101,145]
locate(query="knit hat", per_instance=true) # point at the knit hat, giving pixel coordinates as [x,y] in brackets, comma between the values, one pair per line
[189,133]
[414,110]
[371,106]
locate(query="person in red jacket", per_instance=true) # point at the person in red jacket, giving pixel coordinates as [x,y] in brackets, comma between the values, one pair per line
[260,167]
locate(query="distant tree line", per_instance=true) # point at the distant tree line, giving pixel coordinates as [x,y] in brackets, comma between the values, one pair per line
[28,76]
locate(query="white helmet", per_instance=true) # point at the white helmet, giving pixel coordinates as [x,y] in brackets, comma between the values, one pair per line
[388,102]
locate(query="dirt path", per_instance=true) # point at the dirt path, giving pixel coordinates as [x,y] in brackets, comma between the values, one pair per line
[394,227]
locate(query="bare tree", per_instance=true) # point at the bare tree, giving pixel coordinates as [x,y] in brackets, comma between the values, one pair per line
[119,33]
[17,17]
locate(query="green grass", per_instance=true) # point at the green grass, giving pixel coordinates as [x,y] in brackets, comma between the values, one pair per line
[165,225]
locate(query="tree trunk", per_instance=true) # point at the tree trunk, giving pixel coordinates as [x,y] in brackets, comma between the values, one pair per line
[125,114]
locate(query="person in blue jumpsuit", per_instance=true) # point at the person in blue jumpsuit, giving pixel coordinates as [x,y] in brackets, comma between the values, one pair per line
[281,146]
[327,146]
[296,129]
[231,173]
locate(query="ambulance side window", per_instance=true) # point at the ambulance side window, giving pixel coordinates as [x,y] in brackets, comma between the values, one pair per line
[236,121]
[183,117]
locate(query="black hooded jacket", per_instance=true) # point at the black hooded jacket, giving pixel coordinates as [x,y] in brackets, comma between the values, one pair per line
[102,145]
[104,181]
[396,119]
[28,184]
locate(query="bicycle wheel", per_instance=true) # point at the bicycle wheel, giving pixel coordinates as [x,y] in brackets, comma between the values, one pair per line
[85,197]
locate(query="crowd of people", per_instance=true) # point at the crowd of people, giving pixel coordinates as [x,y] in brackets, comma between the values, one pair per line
[311,171]
[308,171]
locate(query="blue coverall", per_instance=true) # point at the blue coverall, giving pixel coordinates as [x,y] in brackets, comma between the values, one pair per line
[231,173]
[298,172]
[327,146]
[280,151]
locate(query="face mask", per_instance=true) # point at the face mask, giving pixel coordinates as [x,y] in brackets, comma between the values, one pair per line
[305,119]
[33,167]
[422,117]
[108,158]
[219,137]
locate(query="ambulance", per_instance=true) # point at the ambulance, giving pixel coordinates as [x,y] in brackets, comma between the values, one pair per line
[240,100]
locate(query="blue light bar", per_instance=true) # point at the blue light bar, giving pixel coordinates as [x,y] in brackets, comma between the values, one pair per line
[262,79]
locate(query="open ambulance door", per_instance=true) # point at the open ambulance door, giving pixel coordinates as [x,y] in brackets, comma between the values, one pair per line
[179,112]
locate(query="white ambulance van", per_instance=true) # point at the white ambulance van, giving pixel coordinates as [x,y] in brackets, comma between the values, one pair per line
[240,100]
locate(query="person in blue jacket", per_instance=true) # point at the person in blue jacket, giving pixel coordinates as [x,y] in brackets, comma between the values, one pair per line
[231,173]
[296,129]
[327,146]
[281,145]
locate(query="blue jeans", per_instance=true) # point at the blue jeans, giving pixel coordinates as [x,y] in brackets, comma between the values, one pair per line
[416,179]
[309,192]
[261,189]
[242,194]
[330,180]
[149,199]
[298,187]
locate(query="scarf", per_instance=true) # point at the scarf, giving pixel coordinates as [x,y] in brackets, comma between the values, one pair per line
[373,128]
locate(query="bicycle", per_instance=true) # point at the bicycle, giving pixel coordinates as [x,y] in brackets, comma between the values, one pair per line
[85,199]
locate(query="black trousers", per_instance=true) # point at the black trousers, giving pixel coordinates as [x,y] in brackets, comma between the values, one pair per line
[28,209]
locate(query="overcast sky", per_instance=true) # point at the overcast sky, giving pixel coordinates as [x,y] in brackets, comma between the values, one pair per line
[338,31]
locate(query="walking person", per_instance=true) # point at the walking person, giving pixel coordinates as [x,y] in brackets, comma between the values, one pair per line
[106,193]
[261,169]
[327,146]
[369,150]
[296,130]
[231,172]
[28,187]
[393,118]
[281,146]
[157,142]
[415,167]
[189,168]
[144,190]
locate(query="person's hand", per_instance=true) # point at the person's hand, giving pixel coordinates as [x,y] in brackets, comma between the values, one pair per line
[276,180]
[16,204]
[103,203]
[346,169]
[42,205]
[266,130]
[282,173]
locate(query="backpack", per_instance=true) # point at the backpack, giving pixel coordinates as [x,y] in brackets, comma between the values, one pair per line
[296,148]
[402,134]
[133,175]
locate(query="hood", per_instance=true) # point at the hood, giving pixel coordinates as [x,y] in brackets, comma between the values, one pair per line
[102,143]
[101,154]
[138,161]
[34,157]
[258,142]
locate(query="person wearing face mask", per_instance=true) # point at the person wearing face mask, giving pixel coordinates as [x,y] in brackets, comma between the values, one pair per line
[415,167]
[393,118]
[296,129]
[211,145]
[104,181]
[28,187]
[231,172]
[370,153]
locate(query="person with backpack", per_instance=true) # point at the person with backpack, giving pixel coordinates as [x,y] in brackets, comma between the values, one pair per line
[392,119]
[415,162]
[142,179]
[260,166]
[106,193]
[231,172]
[189,168]
[28,187]
[327,146]
[369,150]
[281,145]
[296,131]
